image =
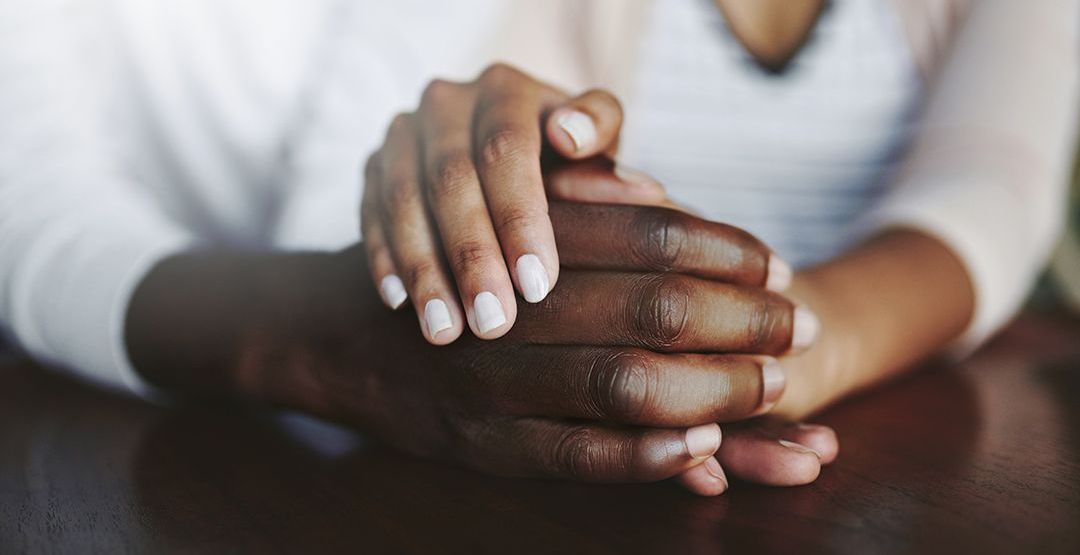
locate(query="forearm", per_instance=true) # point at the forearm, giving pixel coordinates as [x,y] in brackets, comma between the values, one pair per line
[884,305]
[246,325]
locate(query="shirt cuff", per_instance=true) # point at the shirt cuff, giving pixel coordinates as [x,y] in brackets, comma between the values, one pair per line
[77,302]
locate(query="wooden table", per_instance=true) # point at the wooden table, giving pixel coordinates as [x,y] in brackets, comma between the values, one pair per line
[983,457]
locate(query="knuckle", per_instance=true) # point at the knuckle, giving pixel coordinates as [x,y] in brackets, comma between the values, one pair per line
[661,311]
[663,237]
[419,272]
[403,192]
[518,218]
[451,172]
[765,322]
[438,91]
[577,454]
[472,254]
[401,123]
[609,99]
[508,144]
[498,73]
[622,385]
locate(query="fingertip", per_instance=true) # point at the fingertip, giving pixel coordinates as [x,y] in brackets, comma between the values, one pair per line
[532,277]
[572,132]
[801,469]
[703,441]
[779,274]
[392,291]
[489,318]
[706,479]
[821,439]
[640,184]
[438,325]
[773,384]
[805,327]
[754,456]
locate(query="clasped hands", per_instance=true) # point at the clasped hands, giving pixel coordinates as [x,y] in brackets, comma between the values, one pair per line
[661,324]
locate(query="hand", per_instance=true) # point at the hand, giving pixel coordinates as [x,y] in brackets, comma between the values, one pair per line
[590,385]
[298,330]
[454,211]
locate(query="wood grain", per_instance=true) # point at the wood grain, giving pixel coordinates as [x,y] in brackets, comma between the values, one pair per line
[981,457]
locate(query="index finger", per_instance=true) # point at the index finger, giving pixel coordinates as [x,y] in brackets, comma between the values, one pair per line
[507,147]
[657,239]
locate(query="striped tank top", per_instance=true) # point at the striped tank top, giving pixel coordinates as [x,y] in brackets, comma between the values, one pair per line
[795,158]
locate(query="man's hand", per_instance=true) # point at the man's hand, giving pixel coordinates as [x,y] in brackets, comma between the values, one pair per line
[586,387]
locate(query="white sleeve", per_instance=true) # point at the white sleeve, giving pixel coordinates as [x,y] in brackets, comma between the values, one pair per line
[376,64]
[989,168]
[76,233]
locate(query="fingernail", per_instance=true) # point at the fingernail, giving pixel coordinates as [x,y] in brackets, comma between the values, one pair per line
[804,328]
[393,291]
[489,312]
[779,277]
[703,441]
[437,317]
[635,177]
[533,278]
[716,471]
[773,382]
[580,128]
[799,448]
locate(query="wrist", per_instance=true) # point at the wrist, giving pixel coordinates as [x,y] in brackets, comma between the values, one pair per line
[238,325]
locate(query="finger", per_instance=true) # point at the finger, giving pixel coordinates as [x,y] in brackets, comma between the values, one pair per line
[458,206]
[668,313]
[413,244]
[652,239]
[380,263]
[594,453]
[635,386]
[820,439]
[507,142]
[586,125]
[759,442]
[757,455]
[599,180]
[706,479]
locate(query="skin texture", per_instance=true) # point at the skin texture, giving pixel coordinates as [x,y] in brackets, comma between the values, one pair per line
[306,331]
[927,287]
[460,180]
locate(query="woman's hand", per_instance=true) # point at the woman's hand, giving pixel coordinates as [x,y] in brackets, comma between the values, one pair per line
[455,210]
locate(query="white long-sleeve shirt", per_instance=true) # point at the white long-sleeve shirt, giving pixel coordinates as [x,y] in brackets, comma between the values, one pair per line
[133,130]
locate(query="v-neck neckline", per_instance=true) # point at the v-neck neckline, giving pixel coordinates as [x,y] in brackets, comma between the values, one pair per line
[779,66]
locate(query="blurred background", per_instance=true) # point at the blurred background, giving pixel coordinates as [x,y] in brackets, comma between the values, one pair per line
[1060,284]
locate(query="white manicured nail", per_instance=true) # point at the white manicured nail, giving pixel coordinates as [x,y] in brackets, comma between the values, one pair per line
[437,317]
[393,291]
[489,312]
[779,277]
[533,278]
[580,127]
[804,328]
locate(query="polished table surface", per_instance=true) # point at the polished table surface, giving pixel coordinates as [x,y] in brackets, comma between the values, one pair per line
[980,457]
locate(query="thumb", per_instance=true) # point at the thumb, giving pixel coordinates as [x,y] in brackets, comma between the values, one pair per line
[599,180]
[586,125]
